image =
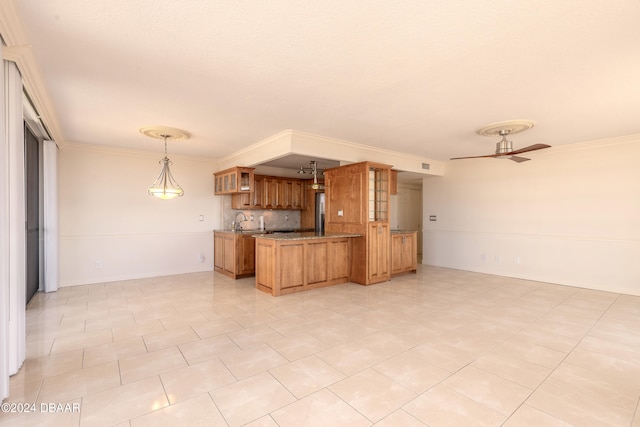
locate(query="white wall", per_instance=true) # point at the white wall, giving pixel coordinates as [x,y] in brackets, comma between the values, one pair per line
[111,229]
[570,216]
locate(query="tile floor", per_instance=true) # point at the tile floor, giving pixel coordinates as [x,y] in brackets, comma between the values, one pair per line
[437,348]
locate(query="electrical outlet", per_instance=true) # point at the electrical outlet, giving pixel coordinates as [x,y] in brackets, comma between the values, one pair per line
[483,257]
[433,218]
[340,212]
[517,260]
[201,258]
[498,259]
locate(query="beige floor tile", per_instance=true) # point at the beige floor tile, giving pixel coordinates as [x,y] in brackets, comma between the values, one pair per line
[184,383]
[296,345]
[306,376]
[109,321]
[400,418]
[610,366]
[355,356]
[75,384]
[372,394]
[150,364]
[208,348]
[251,398]
[443,407]
[184,319]
[524,347]
[599,385]
[265,421]
[198,411]
[412,370]
[519,371]
[320,409]
[527,416]
[136,330]
[122,403]
[490,390]
[253,336]
[99,354]
[252,361]
[636,419]
[81,340]
[216,327]
[254,319]
[569,404]
[159,340]
[445,356]
[48,366]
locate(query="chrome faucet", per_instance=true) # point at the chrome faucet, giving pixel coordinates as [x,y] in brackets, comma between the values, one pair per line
[235,225]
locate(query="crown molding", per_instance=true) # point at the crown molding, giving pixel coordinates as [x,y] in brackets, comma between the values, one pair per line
[18,50]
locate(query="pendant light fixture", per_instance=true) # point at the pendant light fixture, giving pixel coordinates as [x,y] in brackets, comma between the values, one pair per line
[314,171]
[165,186]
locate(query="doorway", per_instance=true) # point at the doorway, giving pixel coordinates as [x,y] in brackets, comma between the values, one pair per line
[32,214]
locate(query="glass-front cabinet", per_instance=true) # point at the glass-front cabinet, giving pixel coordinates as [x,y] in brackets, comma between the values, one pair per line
[378,202]
[234,180]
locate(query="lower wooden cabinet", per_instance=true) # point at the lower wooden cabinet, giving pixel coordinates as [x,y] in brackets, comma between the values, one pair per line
[233,254]
[288,266]
[378,253]
[403,252]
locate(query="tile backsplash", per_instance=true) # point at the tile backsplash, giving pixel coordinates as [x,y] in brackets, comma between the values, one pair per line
[273,219]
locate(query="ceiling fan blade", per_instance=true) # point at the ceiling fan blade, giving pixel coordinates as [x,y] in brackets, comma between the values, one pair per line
[530,148]
[474,157]
[518,159]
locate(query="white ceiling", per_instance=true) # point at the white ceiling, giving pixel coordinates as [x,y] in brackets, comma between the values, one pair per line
[414,76]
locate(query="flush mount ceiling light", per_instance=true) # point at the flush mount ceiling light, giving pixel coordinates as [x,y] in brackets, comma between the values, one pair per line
[165,187]
[313,170]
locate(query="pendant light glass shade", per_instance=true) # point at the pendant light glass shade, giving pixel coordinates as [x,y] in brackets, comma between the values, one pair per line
[165,187]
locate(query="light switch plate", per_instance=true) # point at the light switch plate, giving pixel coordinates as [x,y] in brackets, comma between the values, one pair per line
[340,212]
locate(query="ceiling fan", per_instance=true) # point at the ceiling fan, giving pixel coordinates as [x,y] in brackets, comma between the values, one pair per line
[504,148]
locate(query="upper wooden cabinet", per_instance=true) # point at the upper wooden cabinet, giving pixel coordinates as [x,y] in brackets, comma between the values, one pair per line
[270,192]
[356,195]
[234,180]
[393,178]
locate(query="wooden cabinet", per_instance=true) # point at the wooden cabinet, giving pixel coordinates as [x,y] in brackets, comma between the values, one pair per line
[378,268]
[393,180]
[233,254]
[270,192]
[234,180]
[403,252]
[308,214]
[253,200]
[288,266]
[357,201]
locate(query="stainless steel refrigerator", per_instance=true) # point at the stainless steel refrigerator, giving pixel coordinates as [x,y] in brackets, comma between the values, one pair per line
[320,214]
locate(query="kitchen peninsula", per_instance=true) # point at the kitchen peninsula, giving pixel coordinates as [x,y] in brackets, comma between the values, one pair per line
[295,262]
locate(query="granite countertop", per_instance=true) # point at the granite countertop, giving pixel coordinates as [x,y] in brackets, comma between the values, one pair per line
[304,235]
[403,231]
[267,231]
